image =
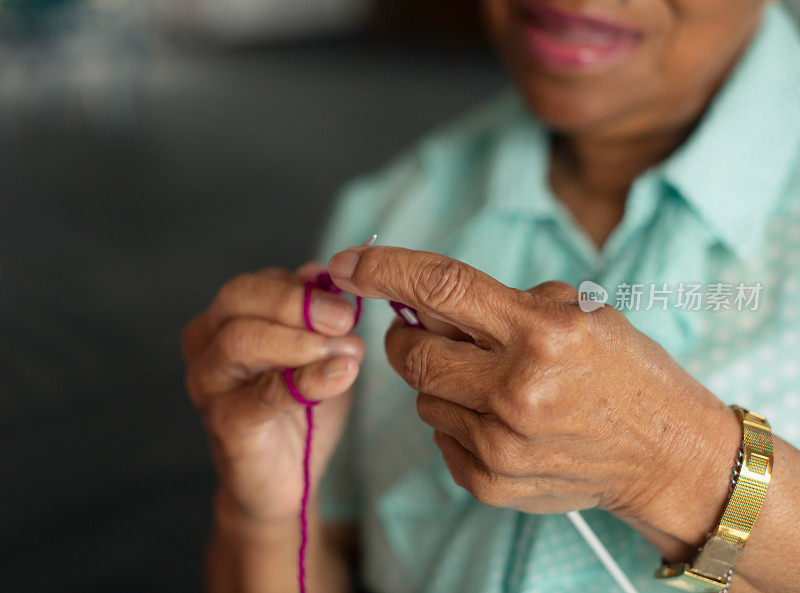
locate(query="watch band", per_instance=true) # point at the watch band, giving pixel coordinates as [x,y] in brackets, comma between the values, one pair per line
[712,566]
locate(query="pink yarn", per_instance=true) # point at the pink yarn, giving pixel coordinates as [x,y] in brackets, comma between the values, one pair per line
[307,305]
[288,377]
[323,282]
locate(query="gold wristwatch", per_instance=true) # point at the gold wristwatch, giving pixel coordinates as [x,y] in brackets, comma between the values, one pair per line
[712,566]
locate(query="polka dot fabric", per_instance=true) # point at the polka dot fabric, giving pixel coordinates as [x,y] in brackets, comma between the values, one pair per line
[754,359]
[723,210]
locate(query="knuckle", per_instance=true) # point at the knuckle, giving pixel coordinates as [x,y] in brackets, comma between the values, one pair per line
[444,282]
[278,286]
[527,402]
[284,296]
[557,290]
[497,452]
[485,486]
[560,286]
[579,325]
[417,365]
[236,339]
[557,336]
[576,333]
[486,452]
[512,394]
[572,322]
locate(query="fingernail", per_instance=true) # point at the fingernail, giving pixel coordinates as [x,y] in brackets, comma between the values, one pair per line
[346,346]
[337,367]
[330,313]
[343,264]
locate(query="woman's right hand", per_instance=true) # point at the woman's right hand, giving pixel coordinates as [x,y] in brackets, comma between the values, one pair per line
[236,352]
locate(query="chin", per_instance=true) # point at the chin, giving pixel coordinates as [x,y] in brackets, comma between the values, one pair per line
[569,109]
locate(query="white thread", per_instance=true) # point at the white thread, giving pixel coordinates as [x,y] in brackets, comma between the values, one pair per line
[601,552]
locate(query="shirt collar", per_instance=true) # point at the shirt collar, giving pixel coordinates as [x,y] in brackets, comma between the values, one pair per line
[734,166]
[518,170]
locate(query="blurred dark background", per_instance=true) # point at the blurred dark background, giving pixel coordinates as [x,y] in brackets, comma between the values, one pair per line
[148,152]
[145,158]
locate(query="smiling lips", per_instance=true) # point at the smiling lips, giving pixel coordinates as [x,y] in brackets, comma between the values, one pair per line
[569,41]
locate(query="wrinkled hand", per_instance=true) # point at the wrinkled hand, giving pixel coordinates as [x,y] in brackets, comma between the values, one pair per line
[236,352]
[541,407]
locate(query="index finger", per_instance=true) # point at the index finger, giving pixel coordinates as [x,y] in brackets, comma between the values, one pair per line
[279,296]
[439,286]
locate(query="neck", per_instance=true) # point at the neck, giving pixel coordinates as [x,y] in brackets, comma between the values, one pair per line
[592,172]
[606,167]
[592,175]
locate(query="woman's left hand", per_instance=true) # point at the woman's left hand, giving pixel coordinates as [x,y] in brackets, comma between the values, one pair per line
[542,407]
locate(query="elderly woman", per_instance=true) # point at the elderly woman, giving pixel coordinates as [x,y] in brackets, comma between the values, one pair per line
[651,152]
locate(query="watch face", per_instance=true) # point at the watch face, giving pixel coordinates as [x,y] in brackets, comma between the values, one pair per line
[681,576]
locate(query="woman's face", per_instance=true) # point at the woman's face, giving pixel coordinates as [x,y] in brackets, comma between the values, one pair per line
[619,66]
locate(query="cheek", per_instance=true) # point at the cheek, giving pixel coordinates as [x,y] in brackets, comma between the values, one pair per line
[707,40]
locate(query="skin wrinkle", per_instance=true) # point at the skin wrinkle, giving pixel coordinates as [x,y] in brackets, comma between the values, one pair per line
[539,371]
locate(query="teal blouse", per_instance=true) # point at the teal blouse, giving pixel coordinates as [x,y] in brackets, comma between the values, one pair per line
[722,215]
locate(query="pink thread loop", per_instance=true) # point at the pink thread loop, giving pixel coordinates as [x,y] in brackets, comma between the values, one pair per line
[323,282]
[358,310]
[288,378]
[309,290]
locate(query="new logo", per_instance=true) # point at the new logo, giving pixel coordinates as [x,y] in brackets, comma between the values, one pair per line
[591,296]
